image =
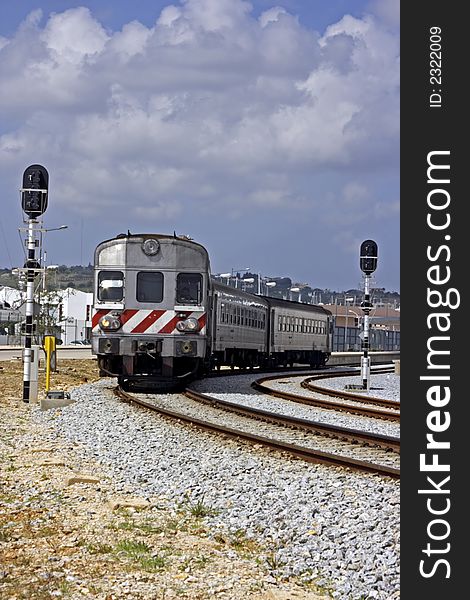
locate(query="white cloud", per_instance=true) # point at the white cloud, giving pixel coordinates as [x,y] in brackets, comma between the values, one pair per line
[73,36]
[130,41]
[209,105]
[271,15]
[386,10]
[216,15]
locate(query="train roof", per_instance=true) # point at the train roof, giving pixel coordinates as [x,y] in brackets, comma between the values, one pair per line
[151,251]
[146,236]
[313,308]
[228,289]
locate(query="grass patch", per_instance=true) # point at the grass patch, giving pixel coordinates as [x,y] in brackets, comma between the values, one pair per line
[99,548]
[7,499]
[273,562]
[239,541]
[132,549]
[149,527]
[4,536]
[122,526]
[146,527]
[194,562]
[65,588]
[326,590]
[139,552]
[151,563]
[198,508]
[184,524]
[46,531]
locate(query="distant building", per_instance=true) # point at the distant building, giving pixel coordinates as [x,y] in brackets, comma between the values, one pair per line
[74,315]
[384,328]
[9,314]
[68,313]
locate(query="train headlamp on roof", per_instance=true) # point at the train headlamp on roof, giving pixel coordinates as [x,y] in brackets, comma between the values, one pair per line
[151,247]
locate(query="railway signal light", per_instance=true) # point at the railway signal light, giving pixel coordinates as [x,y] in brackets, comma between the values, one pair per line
[34,194]
[35,190]
[368,256]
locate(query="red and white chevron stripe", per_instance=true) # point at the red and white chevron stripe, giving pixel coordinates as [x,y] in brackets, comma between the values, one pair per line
[150,321]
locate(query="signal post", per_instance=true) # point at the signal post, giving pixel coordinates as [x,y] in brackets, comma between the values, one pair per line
[368,263]
[34,195]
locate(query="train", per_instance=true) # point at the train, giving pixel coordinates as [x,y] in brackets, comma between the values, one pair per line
[159,320]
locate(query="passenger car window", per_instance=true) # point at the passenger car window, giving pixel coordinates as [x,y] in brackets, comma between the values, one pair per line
[189,288]
[111,285]
[149,286]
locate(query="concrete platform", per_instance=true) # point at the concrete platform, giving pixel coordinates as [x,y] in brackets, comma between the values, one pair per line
[58,402]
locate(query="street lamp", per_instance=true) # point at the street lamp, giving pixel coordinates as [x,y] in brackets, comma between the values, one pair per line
[270,284]
[294,289]
[44,255]
[42,231]
[240,269]
[260,280]
[247,280]
[225,276]
[54,228]
[236,271]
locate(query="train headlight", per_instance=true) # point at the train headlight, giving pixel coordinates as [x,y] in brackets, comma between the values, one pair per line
[110,322]
[151,247]
[190,325]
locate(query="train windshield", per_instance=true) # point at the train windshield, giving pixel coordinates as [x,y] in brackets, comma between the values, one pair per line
[149,286]
[111,285]
[189,288]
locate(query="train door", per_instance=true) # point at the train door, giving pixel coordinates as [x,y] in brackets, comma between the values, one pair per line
[215,302]
[270,334]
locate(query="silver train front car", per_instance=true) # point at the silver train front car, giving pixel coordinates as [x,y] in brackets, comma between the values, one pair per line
[151,300]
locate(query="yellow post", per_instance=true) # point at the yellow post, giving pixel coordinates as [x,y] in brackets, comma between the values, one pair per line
[49,347]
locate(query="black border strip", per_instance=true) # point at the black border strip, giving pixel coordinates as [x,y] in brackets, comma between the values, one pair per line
[433,568]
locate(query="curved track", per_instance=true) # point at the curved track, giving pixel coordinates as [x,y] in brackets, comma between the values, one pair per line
[305,453]
[349,395]
[343,433]
[357,403]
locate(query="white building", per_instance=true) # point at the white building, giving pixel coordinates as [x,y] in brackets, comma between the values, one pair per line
[69,309]
[74,315]
[11,296]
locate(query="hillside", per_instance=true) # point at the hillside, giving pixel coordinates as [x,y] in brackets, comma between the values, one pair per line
[60,278]
[81,278]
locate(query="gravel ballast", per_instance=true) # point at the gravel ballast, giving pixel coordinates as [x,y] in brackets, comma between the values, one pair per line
[334,526]
[246,396]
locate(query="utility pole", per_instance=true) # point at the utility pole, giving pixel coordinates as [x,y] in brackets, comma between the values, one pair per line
[34,203]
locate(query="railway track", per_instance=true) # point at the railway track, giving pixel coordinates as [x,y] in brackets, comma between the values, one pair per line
[304,452]
[343,433]
[308,384]
[358,404]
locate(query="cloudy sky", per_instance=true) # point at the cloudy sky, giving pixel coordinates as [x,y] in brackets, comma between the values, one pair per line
[266,130]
